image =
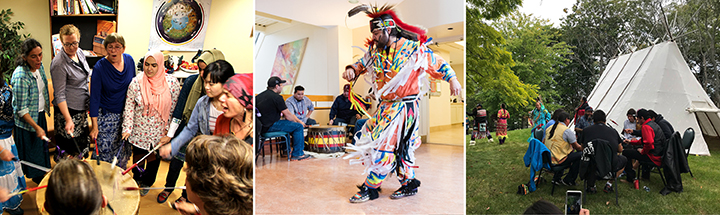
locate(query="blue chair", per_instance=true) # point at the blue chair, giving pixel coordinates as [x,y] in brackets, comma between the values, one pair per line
[280,137]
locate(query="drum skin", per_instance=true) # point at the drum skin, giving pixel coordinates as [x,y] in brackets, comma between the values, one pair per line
[123,201]
[326,139]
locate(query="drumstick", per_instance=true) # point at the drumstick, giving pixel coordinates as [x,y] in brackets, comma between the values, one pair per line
[81,153]
[141,159]
[25,191]
[97,155]
[44,169]
[45,138]
[155,188]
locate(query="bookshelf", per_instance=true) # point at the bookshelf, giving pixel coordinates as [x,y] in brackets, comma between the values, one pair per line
[87,23]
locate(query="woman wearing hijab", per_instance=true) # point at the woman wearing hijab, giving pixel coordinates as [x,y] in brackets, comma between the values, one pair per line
[146,120]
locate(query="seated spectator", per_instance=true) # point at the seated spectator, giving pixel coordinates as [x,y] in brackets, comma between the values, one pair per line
[584,121]
[301,106]
[600,130]
[630,124]
[270,105]
[652,140]
[340,112]
[664,124]
[562,141]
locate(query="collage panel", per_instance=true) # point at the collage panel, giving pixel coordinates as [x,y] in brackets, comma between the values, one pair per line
[592,106]
[368,93]
[126,107]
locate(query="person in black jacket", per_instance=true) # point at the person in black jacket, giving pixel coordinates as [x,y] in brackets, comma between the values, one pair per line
[664,124]
[600,130]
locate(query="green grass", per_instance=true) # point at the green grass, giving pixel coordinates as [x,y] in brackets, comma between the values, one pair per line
[494,172]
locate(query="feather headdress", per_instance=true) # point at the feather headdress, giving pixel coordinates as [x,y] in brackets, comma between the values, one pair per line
[385,17]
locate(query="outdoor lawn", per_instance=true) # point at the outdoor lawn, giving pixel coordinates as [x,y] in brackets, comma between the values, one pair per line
[495,171]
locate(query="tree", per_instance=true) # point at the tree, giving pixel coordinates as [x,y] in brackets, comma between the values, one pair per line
[490,79]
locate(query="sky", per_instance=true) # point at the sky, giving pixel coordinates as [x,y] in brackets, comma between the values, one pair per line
[547,9]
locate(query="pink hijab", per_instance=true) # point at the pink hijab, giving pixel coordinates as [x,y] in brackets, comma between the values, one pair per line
[155,90]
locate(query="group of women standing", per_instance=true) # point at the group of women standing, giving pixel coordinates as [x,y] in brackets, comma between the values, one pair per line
[131,114]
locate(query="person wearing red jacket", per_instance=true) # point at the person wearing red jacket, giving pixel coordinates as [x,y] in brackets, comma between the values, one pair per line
[652,141]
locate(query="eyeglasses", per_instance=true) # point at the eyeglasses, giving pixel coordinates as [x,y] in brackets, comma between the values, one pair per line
[71,44]
[114,47]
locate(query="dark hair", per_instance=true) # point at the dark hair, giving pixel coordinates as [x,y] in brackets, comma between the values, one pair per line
[25,48]
[502,105]
[652,114]
[583,99]
[299,88]
[479,105]
[561,117]
[599,116]
[218,72]
[644,114]
[554,115]
[543,207]
[631,112]
[73,189]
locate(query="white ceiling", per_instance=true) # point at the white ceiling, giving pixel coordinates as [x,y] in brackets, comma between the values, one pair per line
[319,12]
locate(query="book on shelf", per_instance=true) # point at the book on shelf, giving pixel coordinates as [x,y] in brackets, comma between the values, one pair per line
[76,7]
[54,6]
[56,44]
[104,28]
[104,8]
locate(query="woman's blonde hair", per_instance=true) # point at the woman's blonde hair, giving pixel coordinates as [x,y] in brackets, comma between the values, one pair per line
[114,37]
[69,29]
[220,171]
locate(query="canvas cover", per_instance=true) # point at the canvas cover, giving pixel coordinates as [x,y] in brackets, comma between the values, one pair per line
[657,78]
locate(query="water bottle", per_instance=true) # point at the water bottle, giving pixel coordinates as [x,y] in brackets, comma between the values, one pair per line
[647,189]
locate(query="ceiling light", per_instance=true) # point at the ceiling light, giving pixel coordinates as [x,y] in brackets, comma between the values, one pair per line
[462,43]
[353,1]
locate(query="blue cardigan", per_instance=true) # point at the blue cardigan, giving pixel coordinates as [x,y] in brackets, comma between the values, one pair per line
[533,159]
[108,86]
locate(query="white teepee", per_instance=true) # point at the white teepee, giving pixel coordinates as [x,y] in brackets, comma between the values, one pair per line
[657,78]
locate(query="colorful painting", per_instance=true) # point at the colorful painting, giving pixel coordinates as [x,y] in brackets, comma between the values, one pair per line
[287,63]
[179,25]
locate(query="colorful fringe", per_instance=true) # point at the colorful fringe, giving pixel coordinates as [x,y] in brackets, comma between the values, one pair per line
[387,143]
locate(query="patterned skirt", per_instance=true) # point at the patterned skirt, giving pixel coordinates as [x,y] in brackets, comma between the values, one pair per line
[81,131]
[11,176]
[501,128]
[109,140]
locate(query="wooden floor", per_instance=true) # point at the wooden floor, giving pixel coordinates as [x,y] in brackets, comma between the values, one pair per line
[148,203]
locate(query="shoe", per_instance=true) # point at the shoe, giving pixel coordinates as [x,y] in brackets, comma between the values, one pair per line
[365,194]
[608,188]
[162,197]
[144,192]
[18,211]
[491,140]
[181,199]
[591,190]
[302,157]
[408,190]
[472,142]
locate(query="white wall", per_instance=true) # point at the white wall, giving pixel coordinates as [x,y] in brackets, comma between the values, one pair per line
[326,54]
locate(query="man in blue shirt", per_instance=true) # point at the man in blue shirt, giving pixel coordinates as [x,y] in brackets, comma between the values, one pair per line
[301,106]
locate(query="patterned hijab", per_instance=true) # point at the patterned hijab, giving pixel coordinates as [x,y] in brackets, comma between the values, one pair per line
[154,90]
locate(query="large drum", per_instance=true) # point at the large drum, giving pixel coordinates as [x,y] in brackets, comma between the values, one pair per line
[326,139]
[121,200]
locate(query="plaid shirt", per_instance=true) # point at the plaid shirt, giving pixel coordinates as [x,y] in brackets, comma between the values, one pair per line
[26,96]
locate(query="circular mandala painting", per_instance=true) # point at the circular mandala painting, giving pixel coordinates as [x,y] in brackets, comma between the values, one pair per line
[179,21]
